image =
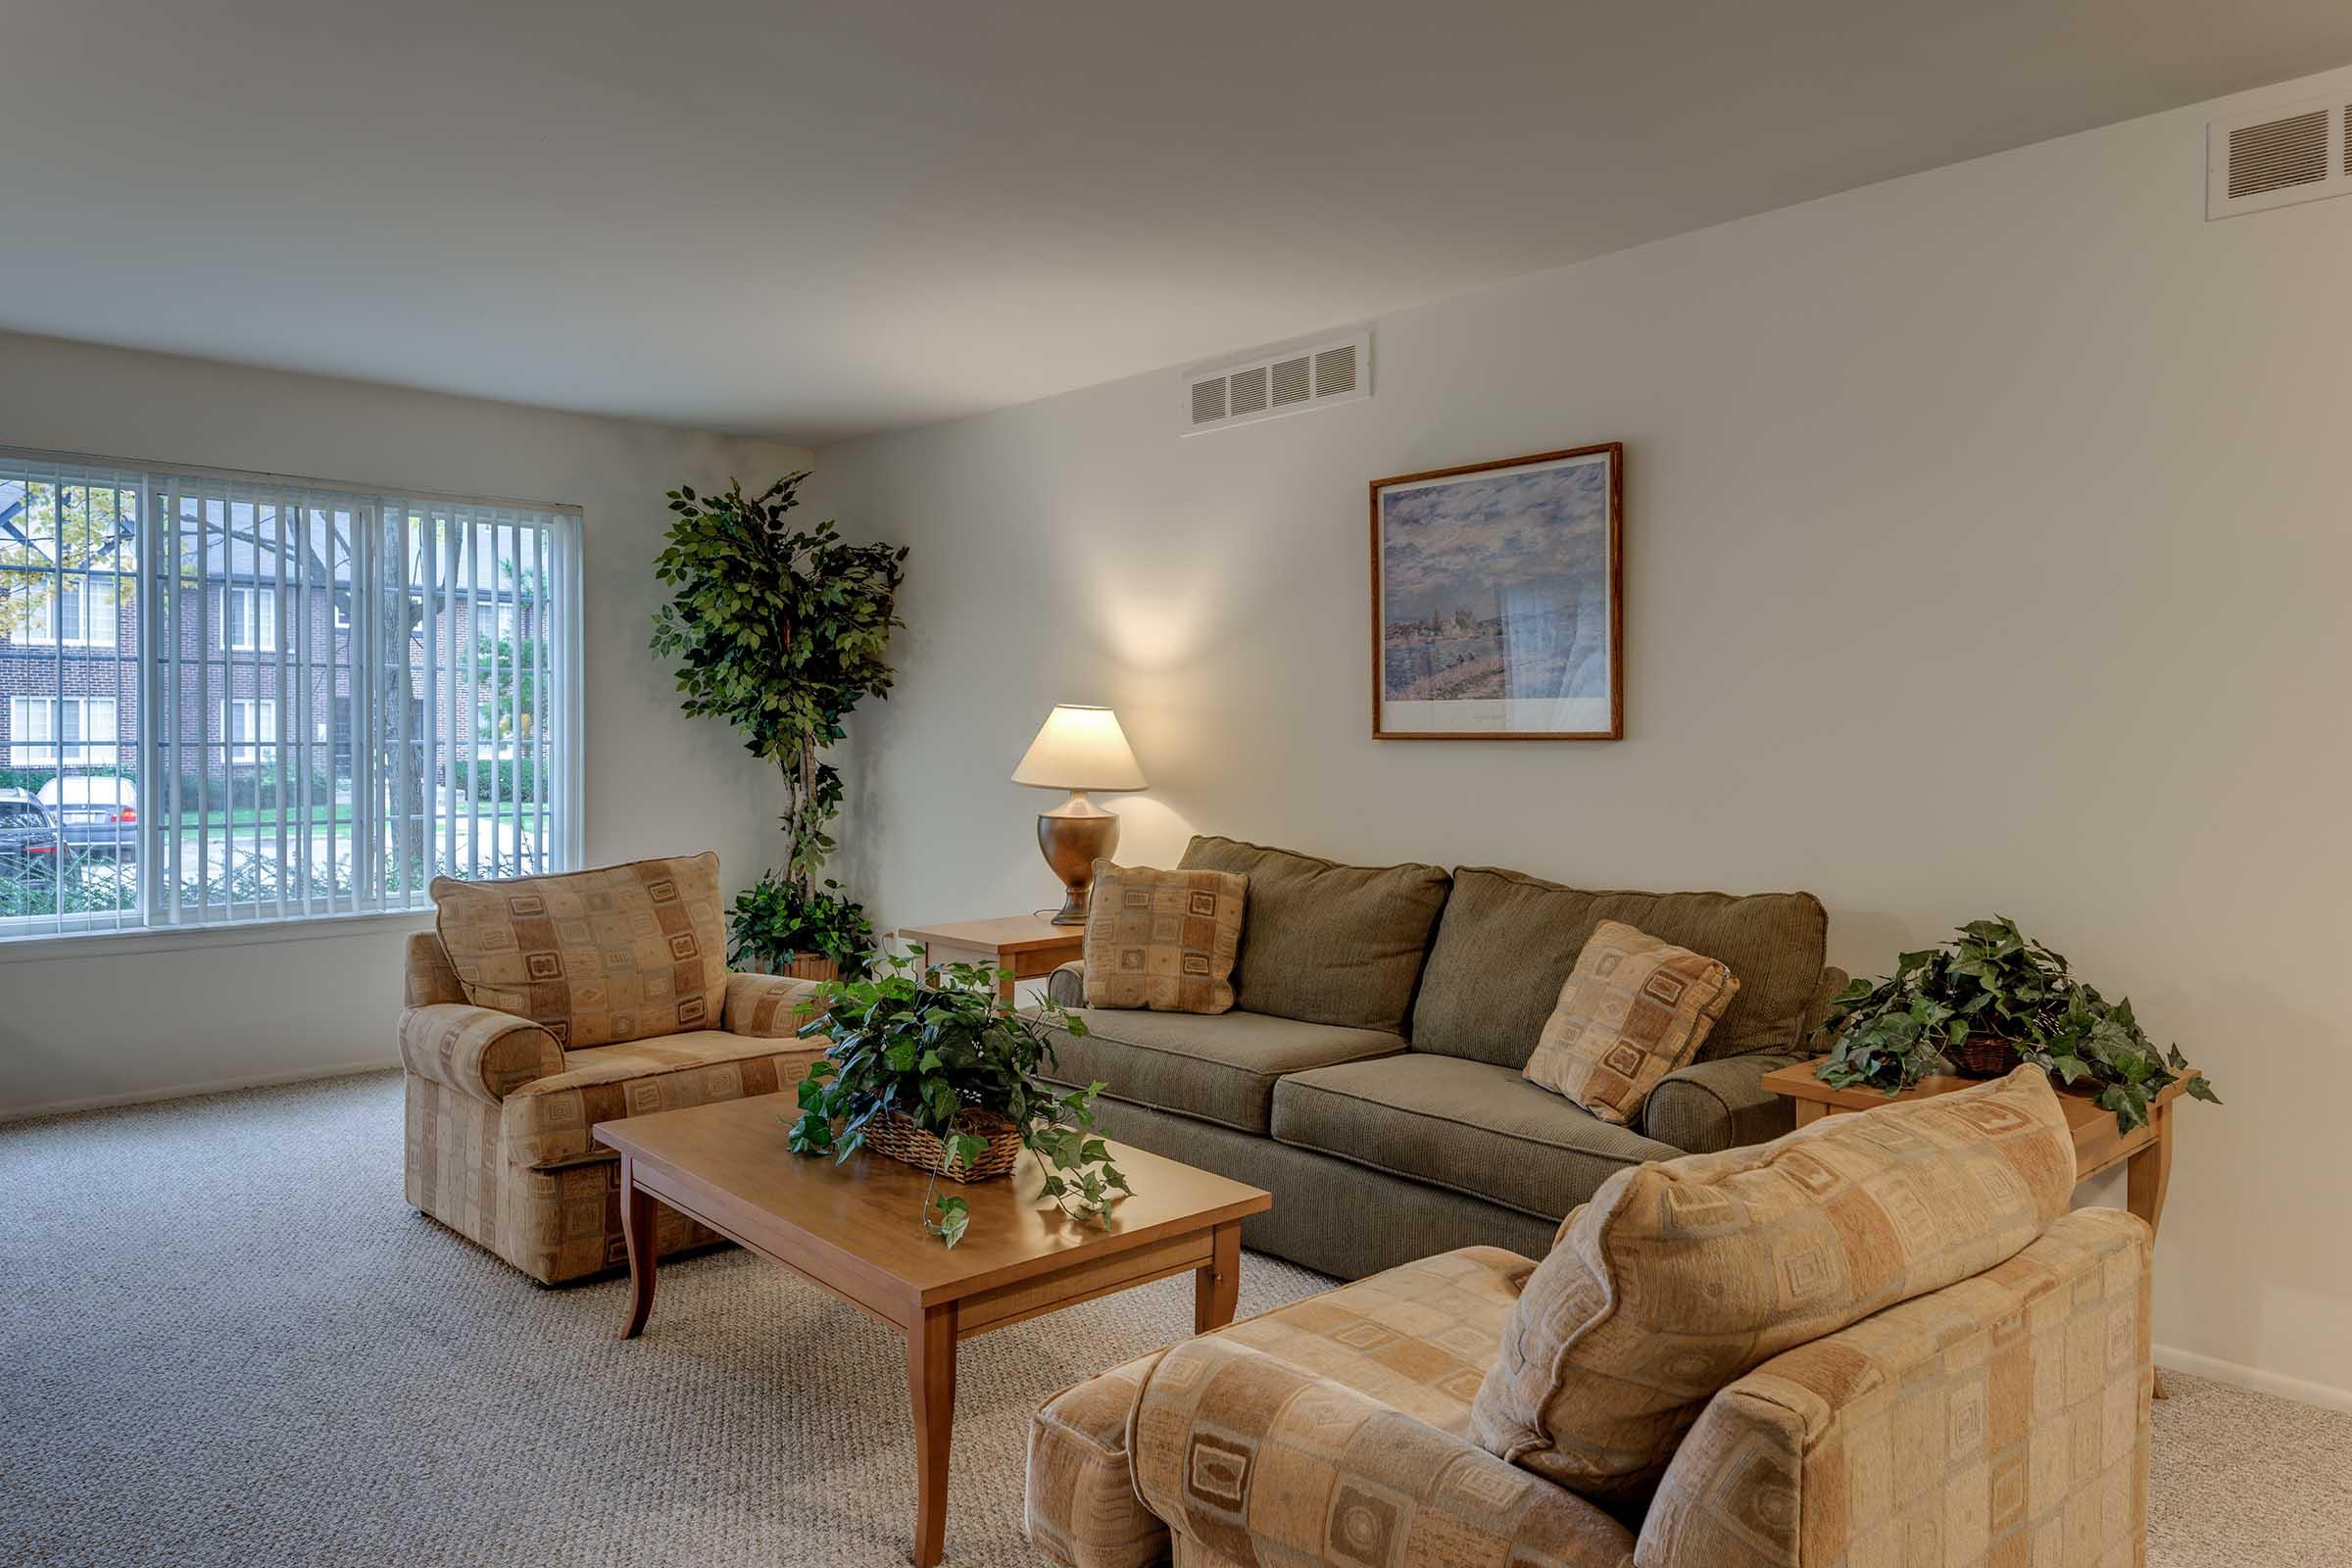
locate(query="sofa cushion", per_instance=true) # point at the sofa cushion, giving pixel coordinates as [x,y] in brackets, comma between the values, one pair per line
[1509,940]
[547,1120]
[595,958]
[1677,1279]
[1468,1125]
[1325,943]
[1220,1070]
[1163,940]
[1633,1009]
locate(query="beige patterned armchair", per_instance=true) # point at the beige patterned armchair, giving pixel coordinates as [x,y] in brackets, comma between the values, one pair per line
[544,1005]
[1426,1417]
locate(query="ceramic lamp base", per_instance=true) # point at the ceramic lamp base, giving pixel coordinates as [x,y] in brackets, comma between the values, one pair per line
[1073,836]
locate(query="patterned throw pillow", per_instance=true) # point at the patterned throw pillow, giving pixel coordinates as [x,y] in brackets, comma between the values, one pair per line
[1683,1276]
[596,958]
[1163,940]
[1633,1009]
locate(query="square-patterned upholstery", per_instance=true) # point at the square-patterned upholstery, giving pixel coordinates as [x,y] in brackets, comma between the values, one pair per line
[1633,1011]
[499,1117]
[1409,1344]
[2000,1421]
[1163,940]
[1733,1259]
[595,958]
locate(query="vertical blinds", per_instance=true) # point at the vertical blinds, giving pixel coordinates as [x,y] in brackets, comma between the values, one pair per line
[320,697]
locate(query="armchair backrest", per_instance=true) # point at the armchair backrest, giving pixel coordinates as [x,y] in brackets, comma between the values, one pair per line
[1682,1275]
[596,958]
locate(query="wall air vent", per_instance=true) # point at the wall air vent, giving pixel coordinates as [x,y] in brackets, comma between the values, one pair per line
[1278,381]
[2275,157]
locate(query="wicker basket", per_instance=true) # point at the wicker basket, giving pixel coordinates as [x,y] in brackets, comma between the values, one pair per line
[897,1135]
[1982,1057]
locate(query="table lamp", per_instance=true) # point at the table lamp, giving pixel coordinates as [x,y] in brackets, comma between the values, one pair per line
[1078,749]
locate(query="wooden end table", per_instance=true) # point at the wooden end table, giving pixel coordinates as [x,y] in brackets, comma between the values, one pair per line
[2099,1144]
[1027,947]
[857,1230]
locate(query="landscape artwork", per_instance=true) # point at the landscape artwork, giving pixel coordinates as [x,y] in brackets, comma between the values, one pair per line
[1496,600]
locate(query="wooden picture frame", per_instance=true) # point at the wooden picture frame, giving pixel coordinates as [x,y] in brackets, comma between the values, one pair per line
[1498,599]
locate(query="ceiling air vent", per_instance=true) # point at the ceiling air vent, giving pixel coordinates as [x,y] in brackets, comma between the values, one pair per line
[1278,381]
[2275,157]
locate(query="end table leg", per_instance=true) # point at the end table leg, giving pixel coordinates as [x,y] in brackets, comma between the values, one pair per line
[637,1239]
[1217,1284]
[2147,1175]
[931,1381]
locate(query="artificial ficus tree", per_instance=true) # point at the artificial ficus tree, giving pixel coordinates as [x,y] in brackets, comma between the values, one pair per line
[781,632]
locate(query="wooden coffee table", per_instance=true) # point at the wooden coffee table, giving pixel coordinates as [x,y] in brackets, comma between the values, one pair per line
[856,1231]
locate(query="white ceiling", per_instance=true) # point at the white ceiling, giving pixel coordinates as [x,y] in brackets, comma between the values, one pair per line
[816,219]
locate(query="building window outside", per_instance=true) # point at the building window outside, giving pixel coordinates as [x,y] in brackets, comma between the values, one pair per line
[55,731]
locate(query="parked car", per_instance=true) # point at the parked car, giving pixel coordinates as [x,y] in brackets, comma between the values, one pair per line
[29,836]
[99,815]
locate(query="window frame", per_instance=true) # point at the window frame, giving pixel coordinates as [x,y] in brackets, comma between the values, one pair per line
[543,540]
[55,746]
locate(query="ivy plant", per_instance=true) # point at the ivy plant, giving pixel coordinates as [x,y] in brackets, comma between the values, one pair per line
[1995,982]
[781,632]
[935,1048]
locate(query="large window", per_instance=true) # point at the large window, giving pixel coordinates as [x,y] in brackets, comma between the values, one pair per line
[234,698]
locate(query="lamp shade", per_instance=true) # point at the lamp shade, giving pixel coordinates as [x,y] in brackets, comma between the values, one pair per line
[1080,748]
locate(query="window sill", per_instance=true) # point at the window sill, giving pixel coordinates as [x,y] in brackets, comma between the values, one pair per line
[174,939]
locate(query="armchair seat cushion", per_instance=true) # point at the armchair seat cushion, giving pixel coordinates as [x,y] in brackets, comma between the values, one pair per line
[1414,1341]
[1220,1070]
[1473,1126]
[547,1120]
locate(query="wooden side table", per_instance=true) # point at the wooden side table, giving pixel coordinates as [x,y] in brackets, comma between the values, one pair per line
[1026,947]
[2099,1144]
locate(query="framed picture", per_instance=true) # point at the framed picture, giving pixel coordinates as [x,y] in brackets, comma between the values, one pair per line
[1496,599]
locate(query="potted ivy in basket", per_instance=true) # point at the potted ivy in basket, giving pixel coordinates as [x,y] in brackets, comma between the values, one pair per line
[1985,1002]
[937,1070]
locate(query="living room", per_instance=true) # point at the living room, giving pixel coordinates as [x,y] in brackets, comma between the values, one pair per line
[1863,475]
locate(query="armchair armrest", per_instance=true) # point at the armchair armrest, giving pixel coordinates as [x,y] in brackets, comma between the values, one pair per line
[1067,984]
[1710,1107]
[766,1007]
[476,1051]
[2004,1417]
[1261,1462]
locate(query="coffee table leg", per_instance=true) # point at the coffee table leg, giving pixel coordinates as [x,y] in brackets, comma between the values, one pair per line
[637,1237]
[1217,1284]
[931,1381]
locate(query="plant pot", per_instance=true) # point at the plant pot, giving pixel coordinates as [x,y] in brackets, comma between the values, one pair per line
[897,1135]
[800,966]
[1982,1057]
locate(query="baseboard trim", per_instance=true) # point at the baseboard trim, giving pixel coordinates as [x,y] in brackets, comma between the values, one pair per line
[216,1086]
[2252,1377]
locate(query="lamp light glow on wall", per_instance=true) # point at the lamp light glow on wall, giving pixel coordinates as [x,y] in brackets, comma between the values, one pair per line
[1081,750]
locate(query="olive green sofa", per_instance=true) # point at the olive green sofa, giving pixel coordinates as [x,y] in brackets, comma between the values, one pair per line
[1370,1074]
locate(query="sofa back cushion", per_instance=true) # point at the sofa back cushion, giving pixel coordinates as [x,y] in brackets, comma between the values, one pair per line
[1681,1277]
[595,958]
[1326,942]
[1508,941]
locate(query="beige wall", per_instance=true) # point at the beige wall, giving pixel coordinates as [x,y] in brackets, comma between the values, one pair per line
[1987,535]
[146,1015]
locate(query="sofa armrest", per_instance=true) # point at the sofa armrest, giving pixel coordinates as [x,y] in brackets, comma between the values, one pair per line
[1067,984]
[2005,1417]
[767,1006]
[1259,1463]
[476,1051]
[1710,1107]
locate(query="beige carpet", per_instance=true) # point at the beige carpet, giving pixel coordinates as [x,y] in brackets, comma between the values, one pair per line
[227,1340]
